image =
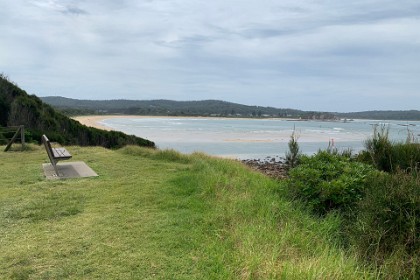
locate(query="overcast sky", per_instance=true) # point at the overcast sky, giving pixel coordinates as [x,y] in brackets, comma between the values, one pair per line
[327,55]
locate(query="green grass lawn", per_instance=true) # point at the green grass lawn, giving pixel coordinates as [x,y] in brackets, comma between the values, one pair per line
[159,215]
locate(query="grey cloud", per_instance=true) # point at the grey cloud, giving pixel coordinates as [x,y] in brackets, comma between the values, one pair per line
[378,16]
[268,32]
[286,54]
[63,6]
[74,11]
[185,42]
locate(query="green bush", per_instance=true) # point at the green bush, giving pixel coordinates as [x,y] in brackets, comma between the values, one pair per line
[387,228]
[388,156]
[406,157]
[328,181]
[379,148]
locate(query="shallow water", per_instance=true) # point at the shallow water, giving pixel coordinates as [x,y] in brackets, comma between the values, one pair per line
[255,138]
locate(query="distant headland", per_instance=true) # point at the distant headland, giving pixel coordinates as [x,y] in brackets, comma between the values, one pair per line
[209,108]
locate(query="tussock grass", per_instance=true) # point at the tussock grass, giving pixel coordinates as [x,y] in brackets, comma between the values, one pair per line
[160,215]
[165,155]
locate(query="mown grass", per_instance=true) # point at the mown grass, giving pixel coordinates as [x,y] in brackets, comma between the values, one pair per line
[160,215]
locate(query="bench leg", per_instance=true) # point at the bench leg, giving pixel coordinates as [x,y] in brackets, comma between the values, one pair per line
[54,164]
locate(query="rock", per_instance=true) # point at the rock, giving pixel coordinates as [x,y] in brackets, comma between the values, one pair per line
[269,166]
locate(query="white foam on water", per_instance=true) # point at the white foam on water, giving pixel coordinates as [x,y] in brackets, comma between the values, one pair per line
[251,138]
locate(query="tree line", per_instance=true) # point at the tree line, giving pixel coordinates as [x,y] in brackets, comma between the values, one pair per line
[209,108]
[205,108]
[19,108]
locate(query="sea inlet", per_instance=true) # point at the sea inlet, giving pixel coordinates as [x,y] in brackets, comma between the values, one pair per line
[256,138]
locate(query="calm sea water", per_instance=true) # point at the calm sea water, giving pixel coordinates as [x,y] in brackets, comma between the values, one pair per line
[252,138]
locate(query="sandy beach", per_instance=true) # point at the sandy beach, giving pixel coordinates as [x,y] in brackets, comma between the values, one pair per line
[95,121]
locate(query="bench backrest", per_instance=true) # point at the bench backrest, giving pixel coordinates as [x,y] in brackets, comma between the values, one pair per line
[48,147]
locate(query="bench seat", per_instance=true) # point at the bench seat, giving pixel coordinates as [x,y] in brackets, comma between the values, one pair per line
[61,153]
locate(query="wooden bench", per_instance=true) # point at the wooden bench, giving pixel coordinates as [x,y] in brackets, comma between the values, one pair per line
[55,154]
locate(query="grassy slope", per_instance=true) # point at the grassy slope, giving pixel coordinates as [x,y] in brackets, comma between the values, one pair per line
[158,215]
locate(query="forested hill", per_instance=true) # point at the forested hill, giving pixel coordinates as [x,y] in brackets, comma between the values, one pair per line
[215,108]
[383,115]
[19,108]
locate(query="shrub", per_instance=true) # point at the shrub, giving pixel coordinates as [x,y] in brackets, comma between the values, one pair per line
[387,229]
[388,156]
[328,181]
[406,157]
[293,155]
[379,147]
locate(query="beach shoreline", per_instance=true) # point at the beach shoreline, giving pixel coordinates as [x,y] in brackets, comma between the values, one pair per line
[95,120]
[281,136]
[233,137]
[271,166]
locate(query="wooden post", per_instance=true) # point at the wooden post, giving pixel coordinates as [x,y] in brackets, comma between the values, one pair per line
[13,138]
[22,136]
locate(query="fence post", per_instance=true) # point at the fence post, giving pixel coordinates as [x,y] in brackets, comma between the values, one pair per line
[22,136]
[13,138]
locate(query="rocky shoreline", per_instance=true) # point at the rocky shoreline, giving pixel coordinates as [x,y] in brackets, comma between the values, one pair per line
[273,167]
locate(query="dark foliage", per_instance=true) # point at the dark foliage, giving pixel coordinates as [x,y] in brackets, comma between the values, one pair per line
[388,222]
[19,108]
[380,211]
[388,156]
[383,115]
[380,148]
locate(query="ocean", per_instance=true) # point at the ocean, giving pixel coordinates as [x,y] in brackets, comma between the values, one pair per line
[255,138]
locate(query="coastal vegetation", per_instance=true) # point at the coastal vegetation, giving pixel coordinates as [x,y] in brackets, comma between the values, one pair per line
[376,196]
[19,108]
[292,156]
[327,181]
[155,214]
[158,214]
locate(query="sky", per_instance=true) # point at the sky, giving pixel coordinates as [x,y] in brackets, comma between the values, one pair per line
[331,55]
